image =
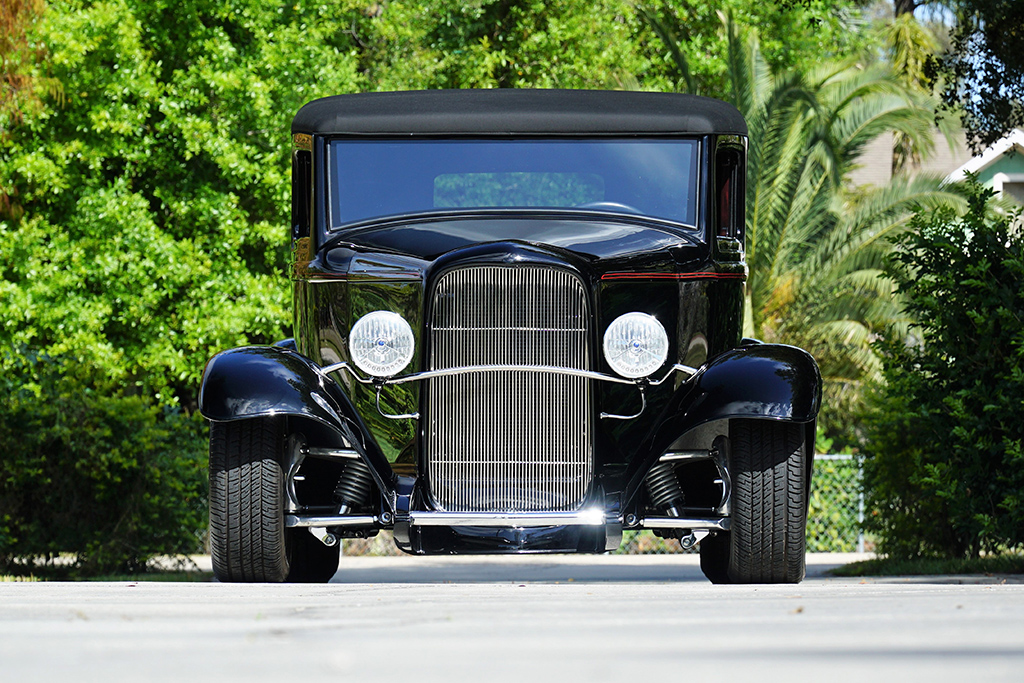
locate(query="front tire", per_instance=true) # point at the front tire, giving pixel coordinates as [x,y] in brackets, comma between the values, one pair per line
[767,540]
[248,538]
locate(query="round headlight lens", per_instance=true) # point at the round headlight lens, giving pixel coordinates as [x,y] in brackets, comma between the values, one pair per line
[635,345]
[381,343]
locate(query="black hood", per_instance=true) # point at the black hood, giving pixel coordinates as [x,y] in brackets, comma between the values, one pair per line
[590,240]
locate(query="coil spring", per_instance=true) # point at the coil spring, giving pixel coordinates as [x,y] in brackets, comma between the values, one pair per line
[354,485]
[663,486]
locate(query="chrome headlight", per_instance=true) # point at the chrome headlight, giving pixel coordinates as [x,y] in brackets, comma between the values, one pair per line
[381,343]
[635,345]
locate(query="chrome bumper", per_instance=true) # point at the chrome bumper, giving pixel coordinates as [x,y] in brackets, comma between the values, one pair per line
[511,520]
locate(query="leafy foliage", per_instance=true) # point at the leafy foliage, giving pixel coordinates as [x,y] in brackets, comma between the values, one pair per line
[152,234]
[989,565]
[815,251]
[155,198]
[144,174]
[982,74]
[507,44]
[109,479]
[20,86]
[794,35]
[945,471]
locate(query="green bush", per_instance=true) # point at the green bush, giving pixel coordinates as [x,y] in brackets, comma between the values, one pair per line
[945,472]
[102,480]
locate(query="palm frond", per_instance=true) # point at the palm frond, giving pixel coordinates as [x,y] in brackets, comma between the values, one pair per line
[668,38]
[816,253]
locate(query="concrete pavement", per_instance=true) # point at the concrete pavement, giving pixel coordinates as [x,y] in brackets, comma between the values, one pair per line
[561,618]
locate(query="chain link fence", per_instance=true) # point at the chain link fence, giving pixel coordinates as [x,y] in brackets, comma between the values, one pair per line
[834,520]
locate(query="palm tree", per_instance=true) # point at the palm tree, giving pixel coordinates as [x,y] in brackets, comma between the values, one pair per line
[815,249]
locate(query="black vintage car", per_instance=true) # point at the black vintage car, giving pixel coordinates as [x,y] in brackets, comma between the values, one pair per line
[517,329]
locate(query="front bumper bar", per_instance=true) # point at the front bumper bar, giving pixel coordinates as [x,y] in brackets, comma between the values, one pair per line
[510,520]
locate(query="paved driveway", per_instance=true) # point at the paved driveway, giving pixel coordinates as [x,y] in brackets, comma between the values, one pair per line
[532,619]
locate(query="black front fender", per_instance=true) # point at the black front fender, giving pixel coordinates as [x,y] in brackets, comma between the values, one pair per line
[262,381]
[764,381]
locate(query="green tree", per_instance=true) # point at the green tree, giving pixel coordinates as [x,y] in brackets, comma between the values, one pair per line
[945,465]
[507,44]
[910,48]
[152,234]
[577,44]
[815,251]
[155,197]
[792,35]
[981,76]
[20,83]
[106,479]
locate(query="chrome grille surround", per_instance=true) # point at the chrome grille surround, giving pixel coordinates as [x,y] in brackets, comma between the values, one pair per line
[509,441]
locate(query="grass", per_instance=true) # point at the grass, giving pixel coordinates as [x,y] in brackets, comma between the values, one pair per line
[158,575]
[40,574]
[188,577]
[1007,563]
[64,568]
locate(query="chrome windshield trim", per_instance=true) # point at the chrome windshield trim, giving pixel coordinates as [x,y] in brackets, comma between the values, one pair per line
[518,520]
[575,372]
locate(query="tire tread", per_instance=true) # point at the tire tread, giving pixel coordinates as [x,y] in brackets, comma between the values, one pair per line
[767,538]
[247,534]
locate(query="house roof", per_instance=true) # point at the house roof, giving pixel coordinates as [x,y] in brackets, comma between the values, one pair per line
[992,154]
[515,112]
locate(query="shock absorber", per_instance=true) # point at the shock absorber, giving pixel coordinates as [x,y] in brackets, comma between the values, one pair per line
[664,489]
[353,488]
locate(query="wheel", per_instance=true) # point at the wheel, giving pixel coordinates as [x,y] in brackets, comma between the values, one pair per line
[767,540]
[248,538]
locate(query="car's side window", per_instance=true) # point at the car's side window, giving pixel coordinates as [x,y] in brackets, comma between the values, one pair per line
[729,192]
[302,177]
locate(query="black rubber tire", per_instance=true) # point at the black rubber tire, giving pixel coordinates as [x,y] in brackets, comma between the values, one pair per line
[247,532]
[248,538]
[767,539]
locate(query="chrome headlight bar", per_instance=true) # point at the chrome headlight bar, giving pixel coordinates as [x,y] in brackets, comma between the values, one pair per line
[575,372]
[381,343]
[380,382]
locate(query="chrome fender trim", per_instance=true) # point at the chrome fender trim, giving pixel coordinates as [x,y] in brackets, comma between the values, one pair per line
[380,382]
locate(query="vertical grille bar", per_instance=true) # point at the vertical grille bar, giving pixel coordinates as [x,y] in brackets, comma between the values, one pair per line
[509,441]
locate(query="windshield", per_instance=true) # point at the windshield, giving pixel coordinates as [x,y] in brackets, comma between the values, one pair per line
[377,178]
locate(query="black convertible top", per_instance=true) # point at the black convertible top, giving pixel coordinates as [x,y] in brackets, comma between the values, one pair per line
[511,112]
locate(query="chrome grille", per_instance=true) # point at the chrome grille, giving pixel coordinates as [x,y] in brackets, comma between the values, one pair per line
[509,441]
